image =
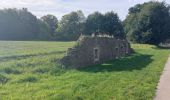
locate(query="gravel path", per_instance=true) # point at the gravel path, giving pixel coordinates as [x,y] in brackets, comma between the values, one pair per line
[163,89]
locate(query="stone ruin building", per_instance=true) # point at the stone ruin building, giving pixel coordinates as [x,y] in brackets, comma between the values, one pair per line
[90,50]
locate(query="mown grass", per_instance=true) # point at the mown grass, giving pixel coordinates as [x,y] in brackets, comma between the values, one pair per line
[30,70]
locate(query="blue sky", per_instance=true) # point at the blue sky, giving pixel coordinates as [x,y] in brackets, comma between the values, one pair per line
[61,7]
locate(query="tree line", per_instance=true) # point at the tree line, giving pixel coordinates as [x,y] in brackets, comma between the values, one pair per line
[145,23]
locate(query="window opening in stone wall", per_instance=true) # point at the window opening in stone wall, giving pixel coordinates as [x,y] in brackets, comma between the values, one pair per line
[116,48]
[122,47]
[96,54]
[117,52]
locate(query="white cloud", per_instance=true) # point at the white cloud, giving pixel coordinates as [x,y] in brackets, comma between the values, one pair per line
[61,7]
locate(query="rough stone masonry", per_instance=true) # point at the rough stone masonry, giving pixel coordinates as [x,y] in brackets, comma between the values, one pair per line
[90,50]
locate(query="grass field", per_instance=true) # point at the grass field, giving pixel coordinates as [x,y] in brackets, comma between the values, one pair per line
[30,70]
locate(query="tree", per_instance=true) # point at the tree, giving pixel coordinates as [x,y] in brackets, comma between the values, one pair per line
[94,23]
[18,24]
[108,23]
[44,31]
[148,23]
[112,25]
[52,22]
[71,24]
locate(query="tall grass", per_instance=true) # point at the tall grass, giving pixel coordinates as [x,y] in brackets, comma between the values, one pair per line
[32,71]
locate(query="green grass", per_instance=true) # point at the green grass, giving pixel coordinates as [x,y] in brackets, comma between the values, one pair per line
[30,70]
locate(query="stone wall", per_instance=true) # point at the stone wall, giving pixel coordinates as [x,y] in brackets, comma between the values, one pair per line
[95,50]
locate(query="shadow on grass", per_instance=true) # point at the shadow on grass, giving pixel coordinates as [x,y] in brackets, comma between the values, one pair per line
[19,57]
[133,62]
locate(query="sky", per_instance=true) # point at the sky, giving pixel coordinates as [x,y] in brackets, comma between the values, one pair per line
[61,7]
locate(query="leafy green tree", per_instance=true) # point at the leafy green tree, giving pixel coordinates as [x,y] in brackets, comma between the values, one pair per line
[44,31]
[94,23]
[52,22]
[71,24]
[148,23]
[112,25]
[108,23]
[18,24]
